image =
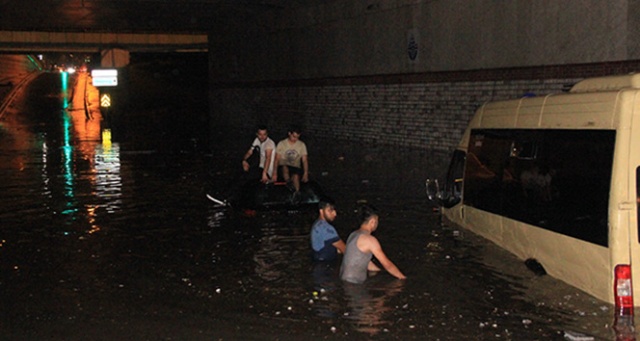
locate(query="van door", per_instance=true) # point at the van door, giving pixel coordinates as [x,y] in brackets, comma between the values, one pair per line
[634,199]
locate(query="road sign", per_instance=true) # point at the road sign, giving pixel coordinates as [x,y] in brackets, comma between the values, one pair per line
[104,77]
[105,100]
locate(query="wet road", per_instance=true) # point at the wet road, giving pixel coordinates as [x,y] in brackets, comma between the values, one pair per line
[116,241]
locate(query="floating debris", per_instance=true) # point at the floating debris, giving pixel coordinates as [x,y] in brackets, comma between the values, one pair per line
[575,336]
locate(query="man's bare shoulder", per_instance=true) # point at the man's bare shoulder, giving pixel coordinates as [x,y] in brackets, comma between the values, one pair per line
[367,239]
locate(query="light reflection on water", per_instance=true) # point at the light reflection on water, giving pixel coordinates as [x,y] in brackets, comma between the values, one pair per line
[108,183]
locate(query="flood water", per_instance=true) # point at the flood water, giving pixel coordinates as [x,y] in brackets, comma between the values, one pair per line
[116,240]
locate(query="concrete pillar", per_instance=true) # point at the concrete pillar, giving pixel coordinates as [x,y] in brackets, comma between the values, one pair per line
[114,58]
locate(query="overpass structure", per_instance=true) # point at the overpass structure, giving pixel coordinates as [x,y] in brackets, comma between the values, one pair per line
[95,26]
[111,46]
[36,41]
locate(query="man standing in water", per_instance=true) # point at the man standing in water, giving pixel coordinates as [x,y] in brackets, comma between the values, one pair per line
[291,154]
[361,245]
[265,146]
[325,241]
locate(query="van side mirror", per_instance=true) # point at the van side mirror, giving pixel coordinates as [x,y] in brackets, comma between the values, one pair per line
[433,190]
[449,193]
[441,197]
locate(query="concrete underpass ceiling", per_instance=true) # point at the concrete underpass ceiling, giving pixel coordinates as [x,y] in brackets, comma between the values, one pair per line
[144,16]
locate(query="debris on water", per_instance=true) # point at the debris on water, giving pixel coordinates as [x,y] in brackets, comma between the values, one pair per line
[405,306]
[526,322]
[218,290]
[365,181]
[324,173]
[412,326]
[575,336]
[333,329]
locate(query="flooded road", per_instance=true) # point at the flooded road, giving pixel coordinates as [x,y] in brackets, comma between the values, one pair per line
[115,240]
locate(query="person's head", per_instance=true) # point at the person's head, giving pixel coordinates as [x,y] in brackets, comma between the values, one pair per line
[327,209]
[368,216]
[294,133]
[262,133]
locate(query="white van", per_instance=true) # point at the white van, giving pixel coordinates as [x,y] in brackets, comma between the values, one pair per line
[554,180]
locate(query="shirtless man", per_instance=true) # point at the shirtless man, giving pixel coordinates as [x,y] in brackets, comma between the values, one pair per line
[361,246]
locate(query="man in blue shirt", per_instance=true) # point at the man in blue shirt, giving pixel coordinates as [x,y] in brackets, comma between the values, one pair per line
[325,241]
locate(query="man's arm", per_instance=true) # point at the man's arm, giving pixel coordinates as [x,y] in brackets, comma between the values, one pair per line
[274,176]
[340,245]
[267,162]
[387,264]
[305,168]
[373,267]
[245,164]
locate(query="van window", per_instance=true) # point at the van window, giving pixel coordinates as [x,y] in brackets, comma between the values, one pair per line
[554,179]
[524,150]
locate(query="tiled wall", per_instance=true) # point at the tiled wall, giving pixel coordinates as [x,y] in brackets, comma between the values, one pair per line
[416,111]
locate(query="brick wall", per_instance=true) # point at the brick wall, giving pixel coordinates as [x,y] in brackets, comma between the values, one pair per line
[425,111]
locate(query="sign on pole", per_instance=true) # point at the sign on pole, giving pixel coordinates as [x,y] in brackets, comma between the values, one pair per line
[104,77]
[105,100]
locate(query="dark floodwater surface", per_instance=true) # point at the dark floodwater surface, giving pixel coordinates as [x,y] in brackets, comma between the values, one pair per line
[117,241]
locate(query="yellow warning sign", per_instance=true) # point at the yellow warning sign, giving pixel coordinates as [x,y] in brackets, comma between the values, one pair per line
[105,101]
